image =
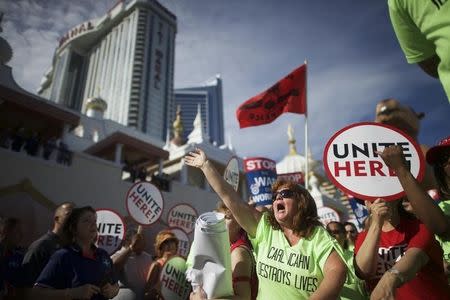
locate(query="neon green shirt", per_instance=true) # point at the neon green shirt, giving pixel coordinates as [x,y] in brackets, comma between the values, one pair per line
[286,272]
[354,288]
[445,244]
[423,30]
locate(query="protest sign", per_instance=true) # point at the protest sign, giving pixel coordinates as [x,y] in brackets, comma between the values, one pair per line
[352,163]
[297,177]
[174,285]
[111,230]
[184,244]
[261,174]
[183,216]
[327,214]
[144,203]
[231,174]
[360,211]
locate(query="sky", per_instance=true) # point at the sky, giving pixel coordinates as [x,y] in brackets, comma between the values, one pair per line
[354,60]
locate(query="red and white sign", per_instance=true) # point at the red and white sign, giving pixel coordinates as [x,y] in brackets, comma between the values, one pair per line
[111,230]
[174,285]
[259,163]
[182,216]
[327,214]
[296,177]
[184,244]
[231,174]
[144,203]
[352,164]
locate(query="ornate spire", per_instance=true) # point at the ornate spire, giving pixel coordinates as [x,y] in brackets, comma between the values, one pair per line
[292,147]
[178,129]
[197,135]
[6,52]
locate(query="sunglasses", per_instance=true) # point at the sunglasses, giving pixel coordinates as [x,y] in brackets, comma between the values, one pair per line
[284,194]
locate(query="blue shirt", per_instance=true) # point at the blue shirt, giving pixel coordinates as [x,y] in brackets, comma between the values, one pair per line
[68,268]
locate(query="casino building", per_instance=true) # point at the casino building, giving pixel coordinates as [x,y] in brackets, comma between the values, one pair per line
[125,57]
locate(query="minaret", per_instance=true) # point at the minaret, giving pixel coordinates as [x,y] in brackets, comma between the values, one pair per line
[292,146]
[197,135]
[178,129]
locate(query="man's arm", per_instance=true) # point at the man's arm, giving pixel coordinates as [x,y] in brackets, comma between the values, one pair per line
[424,207]
[403,271]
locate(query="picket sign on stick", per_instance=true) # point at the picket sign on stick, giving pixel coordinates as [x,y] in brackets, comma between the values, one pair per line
[174,285]
[231,174]
[111,230]
[144,203]
[352,163]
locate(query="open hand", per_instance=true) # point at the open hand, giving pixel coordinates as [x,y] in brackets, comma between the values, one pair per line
[196,158]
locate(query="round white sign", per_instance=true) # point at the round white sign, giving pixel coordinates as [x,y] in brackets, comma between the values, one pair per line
[144,203]
[174,285]
[231,174]
[352,164]
[327,214]
[182,216]
[111,230]
[184,244]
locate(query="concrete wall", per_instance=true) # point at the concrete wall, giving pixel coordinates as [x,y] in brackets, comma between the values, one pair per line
[87,181]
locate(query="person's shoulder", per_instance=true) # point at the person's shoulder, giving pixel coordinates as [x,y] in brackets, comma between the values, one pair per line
[101,252]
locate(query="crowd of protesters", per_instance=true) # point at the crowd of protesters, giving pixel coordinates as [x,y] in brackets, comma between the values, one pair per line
[19,140]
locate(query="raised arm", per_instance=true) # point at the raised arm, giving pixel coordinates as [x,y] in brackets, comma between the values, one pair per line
[334,274]
[424,207]
[246,216]
[366,258]
[403,271]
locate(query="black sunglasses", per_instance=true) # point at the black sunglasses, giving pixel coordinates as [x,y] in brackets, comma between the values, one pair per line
[284,194]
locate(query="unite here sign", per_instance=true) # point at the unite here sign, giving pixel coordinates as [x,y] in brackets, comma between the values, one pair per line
[352,164]
[111,230]
[144,203]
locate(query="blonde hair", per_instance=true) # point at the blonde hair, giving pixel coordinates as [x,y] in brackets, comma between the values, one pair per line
[164,237]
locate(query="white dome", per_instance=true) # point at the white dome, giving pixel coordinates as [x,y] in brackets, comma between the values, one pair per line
[291,164]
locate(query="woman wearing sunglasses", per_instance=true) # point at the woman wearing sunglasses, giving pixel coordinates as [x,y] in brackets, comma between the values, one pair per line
[296,258]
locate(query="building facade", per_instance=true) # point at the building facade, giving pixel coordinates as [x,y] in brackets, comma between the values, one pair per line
[209,97]
[127,58]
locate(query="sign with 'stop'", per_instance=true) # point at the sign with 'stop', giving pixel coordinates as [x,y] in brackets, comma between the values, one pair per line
[182,216]
[184,244]
[327,214]
[261,174]
[231,174]
[352,163]
[111,230]
[174,285]
[144,203]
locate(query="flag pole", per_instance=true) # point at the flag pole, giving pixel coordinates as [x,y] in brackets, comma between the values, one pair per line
[306,128]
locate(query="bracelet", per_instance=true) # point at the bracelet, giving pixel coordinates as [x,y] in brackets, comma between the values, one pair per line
[397,274]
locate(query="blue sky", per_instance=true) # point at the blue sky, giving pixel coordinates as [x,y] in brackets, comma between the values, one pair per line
[354,60]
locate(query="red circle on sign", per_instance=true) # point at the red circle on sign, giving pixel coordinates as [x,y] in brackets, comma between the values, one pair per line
[184,229]
[123,223]
[395,196]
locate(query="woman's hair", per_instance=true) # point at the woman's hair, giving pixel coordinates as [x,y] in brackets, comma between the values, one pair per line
[163,238]
[70,226]
[306,218]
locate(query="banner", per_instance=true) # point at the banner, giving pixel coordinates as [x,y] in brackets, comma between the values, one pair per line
[353,165]
[327,214]
[183,216]
[287,95]
[144,203]
[297,177]
[360,211]
[174,285]
[111,230]
[184,244]
[261,173]
[209,261]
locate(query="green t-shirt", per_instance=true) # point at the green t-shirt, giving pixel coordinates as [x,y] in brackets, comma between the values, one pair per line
[423,30]
[286,272]
[354,288]
[445,243]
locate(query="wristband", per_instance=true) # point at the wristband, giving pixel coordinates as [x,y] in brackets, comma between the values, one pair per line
[397,274]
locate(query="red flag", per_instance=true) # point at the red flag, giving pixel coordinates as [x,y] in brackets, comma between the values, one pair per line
[287,95]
